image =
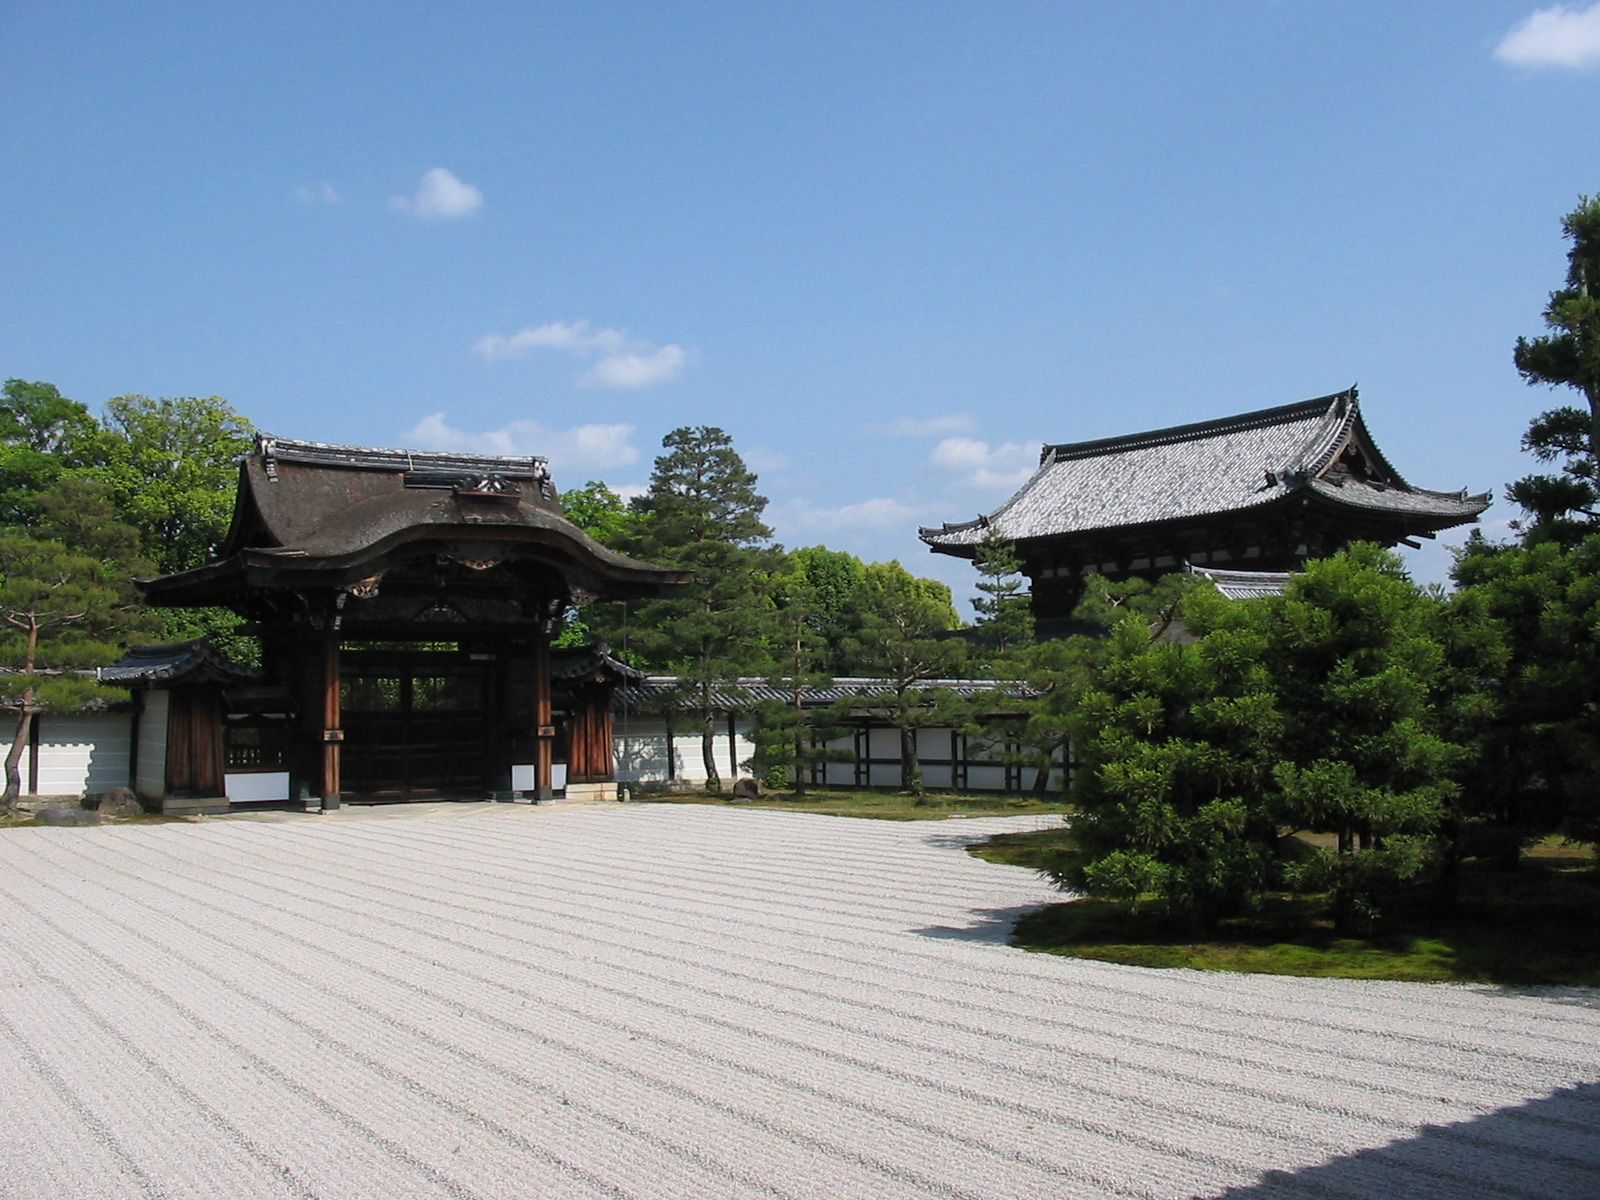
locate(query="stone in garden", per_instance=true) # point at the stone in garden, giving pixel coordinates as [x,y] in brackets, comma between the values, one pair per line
[746,789]
[120,802]
[66,816]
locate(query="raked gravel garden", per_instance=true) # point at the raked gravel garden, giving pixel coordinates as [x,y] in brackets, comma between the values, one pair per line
[703,1002]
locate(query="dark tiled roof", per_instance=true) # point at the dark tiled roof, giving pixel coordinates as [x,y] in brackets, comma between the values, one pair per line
[307,507]
[276,450]
[1200,470]
[179,662]
[578,662]
[656,692]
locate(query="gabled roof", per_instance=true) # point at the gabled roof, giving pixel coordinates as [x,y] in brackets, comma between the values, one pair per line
[593,662]
[1318,447]
[315,514]
[194,661]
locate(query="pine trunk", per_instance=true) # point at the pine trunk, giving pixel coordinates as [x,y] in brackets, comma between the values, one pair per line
[910,768]
[19,742]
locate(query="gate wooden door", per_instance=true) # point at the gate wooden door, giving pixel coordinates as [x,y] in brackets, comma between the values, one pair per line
[416,724]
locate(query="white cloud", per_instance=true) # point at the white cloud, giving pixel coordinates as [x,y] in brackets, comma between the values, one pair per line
[440,197]
[570,451]
[879,515]
[987,468]
[620,361]
[912,427]
[763,461]
[322,193]
[1554,37]
[635,370]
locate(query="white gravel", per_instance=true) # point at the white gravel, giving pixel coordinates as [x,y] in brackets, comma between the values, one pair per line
[699,1002]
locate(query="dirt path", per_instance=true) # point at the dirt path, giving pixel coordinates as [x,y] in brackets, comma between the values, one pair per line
[700,1002]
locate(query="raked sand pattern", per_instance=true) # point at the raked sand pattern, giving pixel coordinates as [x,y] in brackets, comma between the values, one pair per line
[696,1002]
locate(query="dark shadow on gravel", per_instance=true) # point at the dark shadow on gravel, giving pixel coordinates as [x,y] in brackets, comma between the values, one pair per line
[992,925]
[950,834]
[1540,1150]
[1578,997]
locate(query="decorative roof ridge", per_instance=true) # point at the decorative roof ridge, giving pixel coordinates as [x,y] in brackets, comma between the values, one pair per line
[953,526]
[1329,438]
[274,450]
[1262,418]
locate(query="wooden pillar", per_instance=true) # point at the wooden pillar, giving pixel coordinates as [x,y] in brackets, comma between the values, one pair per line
[332,732]
[544,732]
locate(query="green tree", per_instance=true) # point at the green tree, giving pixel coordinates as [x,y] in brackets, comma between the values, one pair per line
[599,512]
[1176,742]
[58,614]
[1357,658]
[42,436]
[791,734]
[604,516]
[833,579]
[1567,356]
[904,639]
[173,466]
[1538,607]
[1005,618]
[702,513]
[1326,710]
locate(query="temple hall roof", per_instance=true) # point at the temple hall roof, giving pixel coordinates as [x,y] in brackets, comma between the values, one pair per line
[1319,449]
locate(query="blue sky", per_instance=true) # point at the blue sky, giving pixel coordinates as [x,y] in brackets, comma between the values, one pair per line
[889,247]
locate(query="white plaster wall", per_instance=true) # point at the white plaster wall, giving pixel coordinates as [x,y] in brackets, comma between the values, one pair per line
[641,745]
[641,751]
[78,753]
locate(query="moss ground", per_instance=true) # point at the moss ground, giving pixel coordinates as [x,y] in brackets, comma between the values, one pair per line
[1537,925]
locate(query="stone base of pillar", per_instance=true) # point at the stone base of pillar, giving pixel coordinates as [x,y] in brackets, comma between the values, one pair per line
[588,793]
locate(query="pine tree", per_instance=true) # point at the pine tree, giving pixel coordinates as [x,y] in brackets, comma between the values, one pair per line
[1568,356]
[702,513]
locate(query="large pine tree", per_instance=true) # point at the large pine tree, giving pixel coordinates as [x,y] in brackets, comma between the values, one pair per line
[702,513]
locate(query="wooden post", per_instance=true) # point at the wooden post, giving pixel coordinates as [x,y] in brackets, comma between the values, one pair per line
[544,732]
[332,732]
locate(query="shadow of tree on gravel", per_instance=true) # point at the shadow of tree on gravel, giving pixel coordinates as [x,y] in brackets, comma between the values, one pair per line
[991,925]
[1577,997]
[1545,1148]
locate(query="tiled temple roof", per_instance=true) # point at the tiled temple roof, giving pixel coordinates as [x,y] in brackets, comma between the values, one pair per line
[1209,468]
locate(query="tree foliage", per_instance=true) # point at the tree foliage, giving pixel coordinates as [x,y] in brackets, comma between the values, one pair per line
[43,435]
[903,638]
[61,611]
[702,513]
[1568,356]
[1324,710]
[1537,611]
[173,465]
